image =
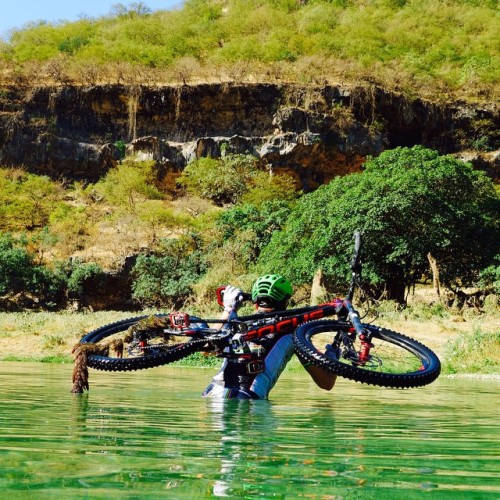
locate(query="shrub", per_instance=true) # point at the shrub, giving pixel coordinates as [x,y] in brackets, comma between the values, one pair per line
[490,276]
[166,278]
[265,187]
[236,178]
[128,183]
[81,274]
[26,200]
[20,274]
[222,180]
[262,221]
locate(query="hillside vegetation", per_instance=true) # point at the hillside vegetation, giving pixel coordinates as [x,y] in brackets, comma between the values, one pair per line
[437,48]
[422,216]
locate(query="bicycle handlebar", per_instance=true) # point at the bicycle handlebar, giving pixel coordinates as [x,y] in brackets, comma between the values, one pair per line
[356,259]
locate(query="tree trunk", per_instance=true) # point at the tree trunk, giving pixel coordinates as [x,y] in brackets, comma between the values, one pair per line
[435,274]
[318,292]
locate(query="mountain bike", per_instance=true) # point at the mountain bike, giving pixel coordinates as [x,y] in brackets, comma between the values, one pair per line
[330,336]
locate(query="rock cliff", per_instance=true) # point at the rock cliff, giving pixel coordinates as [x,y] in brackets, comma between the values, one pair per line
[314,133]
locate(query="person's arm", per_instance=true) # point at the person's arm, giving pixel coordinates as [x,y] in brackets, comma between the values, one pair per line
[323,379]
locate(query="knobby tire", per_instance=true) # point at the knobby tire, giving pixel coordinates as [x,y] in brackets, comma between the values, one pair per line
[423,364]
[113,364]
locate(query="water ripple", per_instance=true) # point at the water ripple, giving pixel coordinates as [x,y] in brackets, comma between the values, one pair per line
[151,434]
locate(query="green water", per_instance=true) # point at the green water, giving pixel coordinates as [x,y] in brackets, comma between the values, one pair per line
[150,435]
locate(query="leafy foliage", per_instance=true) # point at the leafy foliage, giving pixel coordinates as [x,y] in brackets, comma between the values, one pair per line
[129,182]
[262,222]
[235,243]
[490,276]
[222,180]
[408,202]
[82,273]
[26,200]
[235,178]
[20,274]
[166,277]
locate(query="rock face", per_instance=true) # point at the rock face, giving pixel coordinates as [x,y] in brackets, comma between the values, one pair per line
[314,133]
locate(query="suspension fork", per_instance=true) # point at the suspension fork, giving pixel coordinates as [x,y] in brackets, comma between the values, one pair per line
[362,333]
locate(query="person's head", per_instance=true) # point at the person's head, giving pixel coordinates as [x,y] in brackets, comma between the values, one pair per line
[271,291]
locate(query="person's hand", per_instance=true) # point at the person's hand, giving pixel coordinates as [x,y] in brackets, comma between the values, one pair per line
[233,298]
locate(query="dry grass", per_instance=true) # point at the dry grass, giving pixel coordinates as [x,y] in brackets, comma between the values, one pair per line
[46,336]
[433,324]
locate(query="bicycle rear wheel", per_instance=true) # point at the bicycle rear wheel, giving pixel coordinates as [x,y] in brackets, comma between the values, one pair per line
[395,360]
[132,352]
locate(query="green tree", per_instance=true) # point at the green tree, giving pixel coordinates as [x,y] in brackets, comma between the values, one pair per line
[26,200]
[81,274]
[128,183]
[222,180]
[408,203]
[236,178]
[39,194]
[20,274]
[16,264]
[156,218]
[269,187]
[240,235]
[166,278]
[261,222]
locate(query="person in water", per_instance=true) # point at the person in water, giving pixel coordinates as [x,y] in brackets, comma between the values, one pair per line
[252,369]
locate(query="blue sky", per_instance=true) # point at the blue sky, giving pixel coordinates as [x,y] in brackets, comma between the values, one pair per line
[16,13]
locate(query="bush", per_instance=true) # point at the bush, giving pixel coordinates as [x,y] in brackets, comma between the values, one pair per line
[236,178]
[128,183]
[222,180]
[166,278]
[20,274]
[26,200]
[262,222]
[81,274]
[490,276]
[16,265]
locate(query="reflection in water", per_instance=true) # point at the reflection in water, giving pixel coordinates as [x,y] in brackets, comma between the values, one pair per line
[237,421]
[151,434]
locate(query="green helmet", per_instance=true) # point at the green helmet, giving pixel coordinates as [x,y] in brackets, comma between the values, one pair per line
[272,289]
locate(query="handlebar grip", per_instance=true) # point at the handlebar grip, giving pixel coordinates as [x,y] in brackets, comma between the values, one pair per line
[220,296]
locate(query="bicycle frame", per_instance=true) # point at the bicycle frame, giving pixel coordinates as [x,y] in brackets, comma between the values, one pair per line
[330,344]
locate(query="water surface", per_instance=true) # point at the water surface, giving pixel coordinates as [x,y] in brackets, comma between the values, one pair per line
[150,434]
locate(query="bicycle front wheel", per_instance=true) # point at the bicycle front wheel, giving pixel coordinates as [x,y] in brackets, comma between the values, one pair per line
[395,360]
[114,348]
